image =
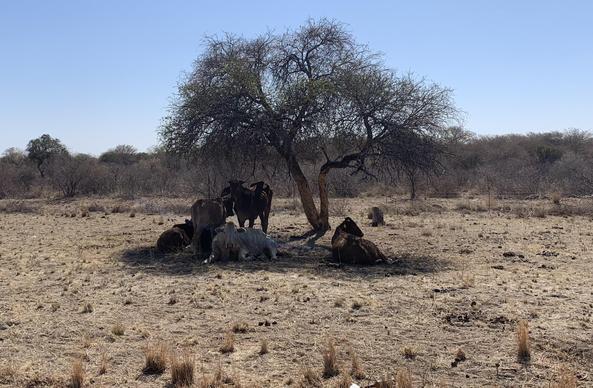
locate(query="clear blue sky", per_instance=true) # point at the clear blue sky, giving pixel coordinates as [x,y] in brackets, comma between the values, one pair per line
[98,73]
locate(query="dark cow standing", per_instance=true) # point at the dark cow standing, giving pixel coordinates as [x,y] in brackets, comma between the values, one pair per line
[349,247]
[250,204]
[207,215]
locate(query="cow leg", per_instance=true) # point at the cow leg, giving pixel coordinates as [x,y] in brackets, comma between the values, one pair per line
[264,221]
[196,241]
[241,220]
[252,221]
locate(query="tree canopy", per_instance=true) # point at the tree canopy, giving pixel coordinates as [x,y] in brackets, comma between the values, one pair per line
[40,150]
[313,90]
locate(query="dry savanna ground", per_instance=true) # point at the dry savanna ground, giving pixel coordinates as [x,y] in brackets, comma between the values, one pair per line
[85,298]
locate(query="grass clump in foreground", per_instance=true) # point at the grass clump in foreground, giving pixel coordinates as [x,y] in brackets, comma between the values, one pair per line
[182,371]
[155,359]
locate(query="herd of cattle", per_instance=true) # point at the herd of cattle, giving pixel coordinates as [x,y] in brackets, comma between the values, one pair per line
[215,239]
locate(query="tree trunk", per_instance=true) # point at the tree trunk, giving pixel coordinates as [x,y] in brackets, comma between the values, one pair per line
[304,192]
[412,178]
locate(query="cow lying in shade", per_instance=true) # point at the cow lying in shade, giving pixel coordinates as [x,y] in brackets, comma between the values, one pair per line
[176,238]
[231,243]
[349,247]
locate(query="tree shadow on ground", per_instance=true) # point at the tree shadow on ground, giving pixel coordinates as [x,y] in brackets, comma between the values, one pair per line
[306,260]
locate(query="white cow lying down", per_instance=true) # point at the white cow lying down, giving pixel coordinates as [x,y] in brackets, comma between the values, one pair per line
[235,244]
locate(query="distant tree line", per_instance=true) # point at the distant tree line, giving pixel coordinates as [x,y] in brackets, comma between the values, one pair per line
[457,162]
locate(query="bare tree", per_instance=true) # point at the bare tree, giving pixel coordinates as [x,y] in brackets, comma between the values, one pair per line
[69,173]
[295,93]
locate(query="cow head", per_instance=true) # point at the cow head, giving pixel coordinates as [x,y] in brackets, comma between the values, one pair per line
[235,187]
[349,226]
[228,206]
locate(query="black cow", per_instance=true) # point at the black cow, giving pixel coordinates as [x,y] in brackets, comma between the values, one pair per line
[250,204]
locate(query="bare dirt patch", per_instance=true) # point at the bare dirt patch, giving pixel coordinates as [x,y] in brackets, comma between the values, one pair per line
[452,286]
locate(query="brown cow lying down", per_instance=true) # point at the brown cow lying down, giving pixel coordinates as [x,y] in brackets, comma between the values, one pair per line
[173,240]
[231,243]
[349,247]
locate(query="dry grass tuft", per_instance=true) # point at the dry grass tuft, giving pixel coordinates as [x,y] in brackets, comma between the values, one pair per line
[330,362]
[403,379]
[263,348]
[357,370]
[408,352]
[17,206]
[310,380]
[240,327]
[219,380]
[87,308]
[182,371]
[523,351]
[566,380]
[77,375]
[228,344]
[385,382]
[7,374]
[344,382]
[467,280]
[118,329]
[460,355]
[86,341]
[426,233]
[155,359]
[103,363]
[357,305]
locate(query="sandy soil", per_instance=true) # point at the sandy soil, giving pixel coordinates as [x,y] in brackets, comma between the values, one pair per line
[460,280]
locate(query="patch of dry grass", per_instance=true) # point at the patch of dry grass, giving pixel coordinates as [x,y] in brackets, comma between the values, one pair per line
[155,359]
[523,349]
[426,233]
[76,374]
[310,379]
[357,370]
[118,329]
[103,364]
[403,379]
[87,308]
[182,371]
[7,374]
[345,381]
[566,379]
[467,280]
[460,355]
[240,327]
[17,206]
[408,352]
[330,362]
[228,343]
[357,305]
